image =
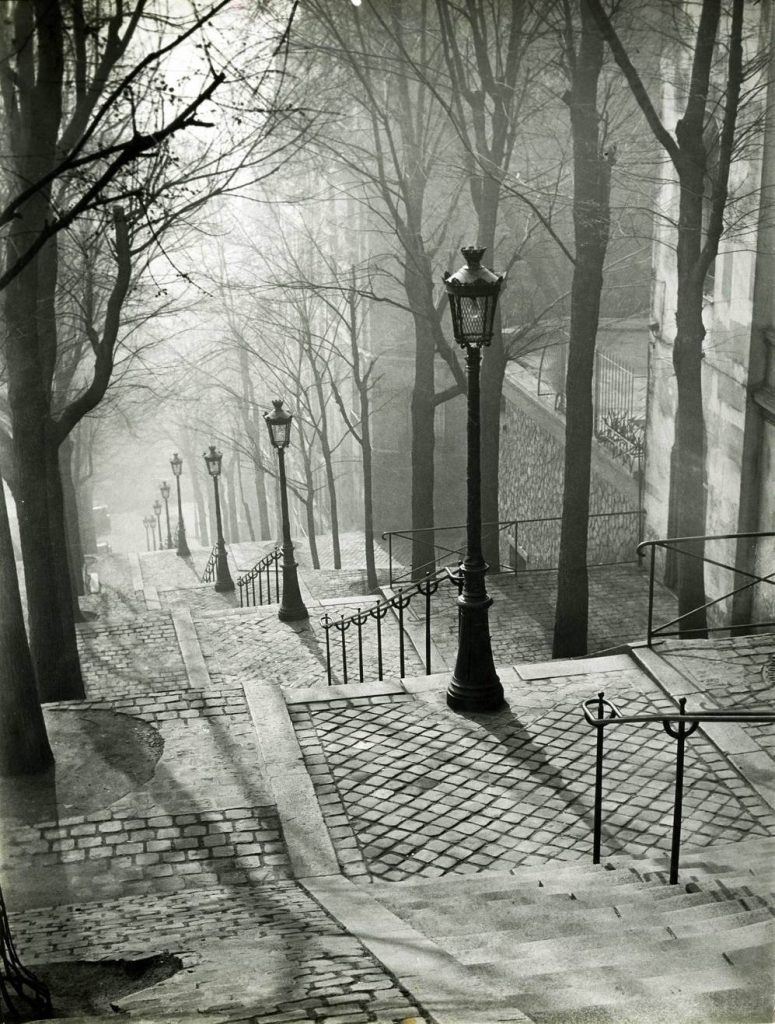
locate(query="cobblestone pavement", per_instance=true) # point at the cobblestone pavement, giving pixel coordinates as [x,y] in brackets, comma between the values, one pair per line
[176,804]
[325,584]
[120,657]
[409,789]
[522,613]
[255,644]
[270,952]
[351,548]
[117,597]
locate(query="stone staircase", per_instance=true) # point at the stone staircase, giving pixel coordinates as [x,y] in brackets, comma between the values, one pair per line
[571,943]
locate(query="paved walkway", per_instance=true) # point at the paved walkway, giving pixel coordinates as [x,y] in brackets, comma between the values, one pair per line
[215,798]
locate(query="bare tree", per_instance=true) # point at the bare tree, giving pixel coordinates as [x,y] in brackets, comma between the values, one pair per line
[700,151]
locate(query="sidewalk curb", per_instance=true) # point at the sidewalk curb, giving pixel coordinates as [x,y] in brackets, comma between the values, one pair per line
[309,845]
[188,642]
[741,750]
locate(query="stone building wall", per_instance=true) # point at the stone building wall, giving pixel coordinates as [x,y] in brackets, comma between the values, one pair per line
[531,478]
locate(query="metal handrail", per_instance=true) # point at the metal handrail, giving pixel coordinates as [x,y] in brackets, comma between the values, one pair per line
[503,525]
[210,568]
[679,726]
[261,571]
[669,544]
[397,603]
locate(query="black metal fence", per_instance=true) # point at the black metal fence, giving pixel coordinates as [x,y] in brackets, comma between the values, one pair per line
[210,568]
[255,585]
[526,545]
[679,726]
[351,651]
[694,548]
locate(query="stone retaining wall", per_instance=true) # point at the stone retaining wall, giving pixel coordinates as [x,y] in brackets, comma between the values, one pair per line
[531,481]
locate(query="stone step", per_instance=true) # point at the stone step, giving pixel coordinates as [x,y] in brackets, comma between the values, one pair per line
[733,1006]
[757,854]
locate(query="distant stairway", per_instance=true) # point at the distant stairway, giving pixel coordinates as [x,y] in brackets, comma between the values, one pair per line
[569,943]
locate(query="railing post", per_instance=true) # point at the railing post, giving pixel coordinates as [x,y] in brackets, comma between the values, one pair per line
[390,559]
[401,634]
[327,626]
[651,597]
[359,622]
[516,547]
[427,623]
[344,652]
[598,812]
[379,645]
[680,739]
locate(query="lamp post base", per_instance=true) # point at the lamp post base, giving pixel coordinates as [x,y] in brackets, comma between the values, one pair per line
[475,685]
[292,607]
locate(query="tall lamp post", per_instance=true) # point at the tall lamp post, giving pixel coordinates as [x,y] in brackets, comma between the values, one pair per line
[279,426]
[473,298]
[157,513]
[165,493]
[223,580]
[146,524]
[177,468]
[152,525]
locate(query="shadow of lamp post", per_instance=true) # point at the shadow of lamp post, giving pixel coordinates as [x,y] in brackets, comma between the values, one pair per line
[177,469]
[279,426]
[165,493]
[223,580]
[473,297]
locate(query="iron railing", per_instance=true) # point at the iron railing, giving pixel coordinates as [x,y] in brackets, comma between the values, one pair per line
[671,544]
[679,726]
[23,996]
[397,604]
[618,397]
[262,571]
[210,568]
[534,545]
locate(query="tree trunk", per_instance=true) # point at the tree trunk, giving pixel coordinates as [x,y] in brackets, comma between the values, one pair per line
[231,506]
[200,500]
[49,599]
[591,225]
[368,501]
[24,746]
[309,509]
[259,480]
[417,282]
[72,519]
[493,373]
[245,505]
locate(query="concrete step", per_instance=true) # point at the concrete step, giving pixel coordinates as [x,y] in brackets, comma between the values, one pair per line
[757,855]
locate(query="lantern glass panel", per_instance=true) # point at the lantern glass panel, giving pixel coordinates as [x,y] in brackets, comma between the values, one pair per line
[165,489]
[213,460]
[177,464]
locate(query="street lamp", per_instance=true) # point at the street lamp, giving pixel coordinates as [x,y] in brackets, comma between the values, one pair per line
[177,468]
[151,523]
[473,297]
[146,524]
[223,580]
[165,493]
[279,426]
[157,513]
